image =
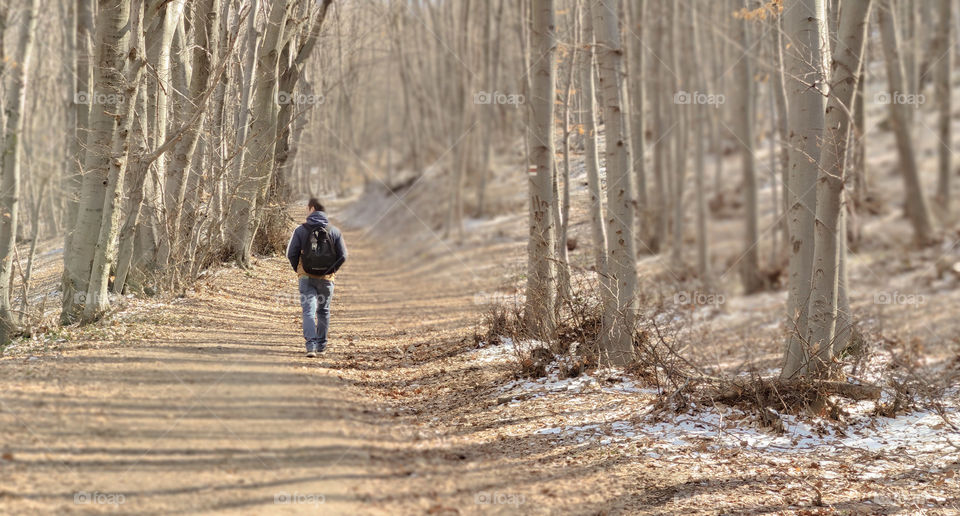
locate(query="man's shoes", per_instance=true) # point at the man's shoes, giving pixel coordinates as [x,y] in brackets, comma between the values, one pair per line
[321,349]
[311,354]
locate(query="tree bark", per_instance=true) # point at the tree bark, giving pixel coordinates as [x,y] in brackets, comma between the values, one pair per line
[620,191]
[126,22]
[589,108]
[257,174]
[541,278]
[901,115]
[12,150]
[828,233]
[806,63]
[943,53]
[750,259]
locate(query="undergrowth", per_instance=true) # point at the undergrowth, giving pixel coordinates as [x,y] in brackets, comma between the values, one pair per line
[886,372]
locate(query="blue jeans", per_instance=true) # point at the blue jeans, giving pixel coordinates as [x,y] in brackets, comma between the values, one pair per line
[315,296]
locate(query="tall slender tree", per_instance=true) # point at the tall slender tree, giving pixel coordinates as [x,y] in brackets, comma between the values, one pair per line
[828,242]
[541,277]
[943,65]
[901,116]
[744,133]
[12,152]
[805,25]
[620,191]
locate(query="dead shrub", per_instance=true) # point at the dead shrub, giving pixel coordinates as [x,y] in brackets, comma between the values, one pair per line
[535,363]
[273,233]
[499,322]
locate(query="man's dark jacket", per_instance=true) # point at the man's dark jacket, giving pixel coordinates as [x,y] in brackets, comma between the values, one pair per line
[301,240]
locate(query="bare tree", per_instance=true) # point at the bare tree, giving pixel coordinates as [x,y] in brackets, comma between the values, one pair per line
[541,278]
[943,65]
[828,241]
[257,174]
[12,151]
[124,21]
[620,229]
[805,26]
[744,134]
[901,115]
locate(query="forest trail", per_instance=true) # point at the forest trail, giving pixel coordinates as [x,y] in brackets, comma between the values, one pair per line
[222,412]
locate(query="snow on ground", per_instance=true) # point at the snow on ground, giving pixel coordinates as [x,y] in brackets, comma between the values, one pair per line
[503,351]
[609,408]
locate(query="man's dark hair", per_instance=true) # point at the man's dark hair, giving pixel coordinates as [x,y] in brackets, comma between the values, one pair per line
[315,204]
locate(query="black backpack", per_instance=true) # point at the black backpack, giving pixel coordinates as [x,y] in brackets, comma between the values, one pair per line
[320,256]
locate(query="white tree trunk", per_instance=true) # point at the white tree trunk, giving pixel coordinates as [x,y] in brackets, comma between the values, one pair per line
[126,23]
[257,174]
[845,68]
[806,64]
[12,149]
[620,229]
[702,119]
[635,34]
[204,50]
[598,229]
[901,114]
[541,248]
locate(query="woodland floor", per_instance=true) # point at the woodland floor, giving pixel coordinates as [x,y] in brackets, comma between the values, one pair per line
[206,405]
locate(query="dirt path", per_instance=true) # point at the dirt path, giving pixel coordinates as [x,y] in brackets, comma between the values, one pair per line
[217,410]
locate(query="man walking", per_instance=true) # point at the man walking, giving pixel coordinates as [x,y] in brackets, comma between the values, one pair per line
[316,251]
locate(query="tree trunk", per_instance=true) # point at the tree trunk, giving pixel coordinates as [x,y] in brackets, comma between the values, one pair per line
[780,97]
[859,154]
[257,174]
[845,68]
[943,53]
[12,150]
[620,228]
[83,43]
[806,63]
[541,278]
[126,23]
[702,118]
[563,253]
[901,115]
[680,142]
[637,102]
[206,35]
[589,109]
[750,259]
